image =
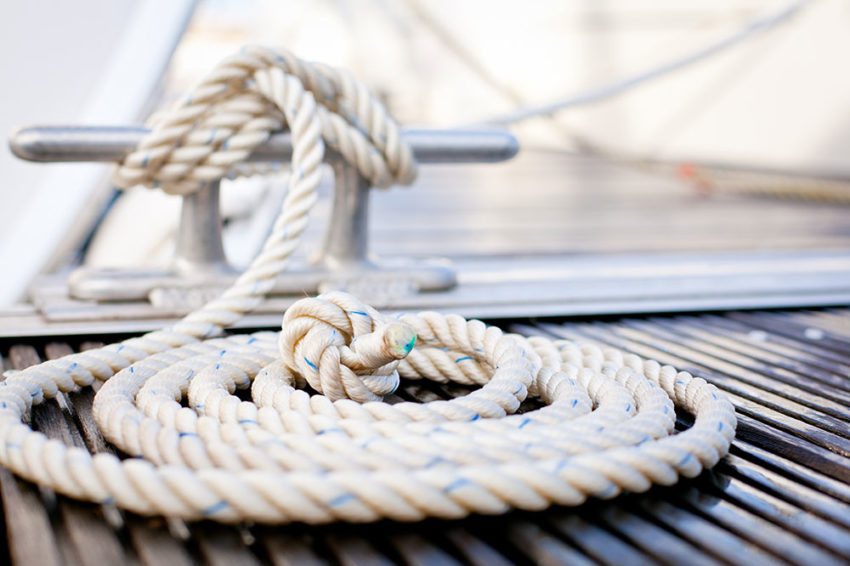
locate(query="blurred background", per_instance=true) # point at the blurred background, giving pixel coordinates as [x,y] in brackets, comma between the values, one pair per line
[706,125]
[777,98]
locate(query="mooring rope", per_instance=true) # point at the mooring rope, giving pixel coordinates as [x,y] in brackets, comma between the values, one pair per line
[199,451]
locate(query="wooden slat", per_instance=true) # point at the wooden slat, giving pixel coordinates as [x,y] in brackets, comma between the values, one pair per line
[154,545]
[706,359]
[92,541]
[351,550]
[144,535]
[751,526]
[790,517]
[543,548]
[474,550]
[709,537]
[801,496]
[289,550]
[652,539]
[416,550]
[222,545]
[29,536]
[790,446]
[788,326]
[802,376]
[795,355]
[597,542]
[800,474]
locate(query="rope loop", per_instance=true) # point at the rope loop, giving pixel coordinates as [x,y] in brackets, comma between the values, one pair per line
[205,135]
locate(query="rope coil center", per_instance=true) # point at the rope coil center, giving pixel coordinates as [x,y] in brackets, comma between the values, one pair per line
[342,348]
[169,398]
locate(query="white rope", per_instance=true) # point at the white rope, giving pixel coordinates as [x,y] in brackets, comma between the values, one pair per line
[606,427]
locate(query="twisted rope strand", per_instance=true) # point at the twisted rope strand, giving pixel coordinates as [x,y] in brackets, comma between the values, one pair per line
[169,397]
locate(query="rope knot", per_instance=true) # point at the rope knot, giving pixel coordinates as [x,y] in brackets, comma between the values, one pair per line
[343,348]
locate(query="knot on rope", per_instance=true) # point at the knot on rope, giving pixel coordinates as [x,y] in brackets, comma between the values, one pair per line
[205,135]
[343,348]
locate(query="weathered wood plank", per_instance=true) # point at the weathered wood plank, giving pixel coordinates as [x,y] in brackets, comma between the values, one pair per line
[752,358]
[542,548]
[150,538]
[474,550]
[155,545]
[800,474]
[792,447]
[289,550]
[29,534]
[222,545]
[709,537]
[696,348]
[799,495]
[798,330]
[92,540]
[351,550]
[751,526]
[790,517]
[795,355]
[652,539]
[596,542]
[416,550]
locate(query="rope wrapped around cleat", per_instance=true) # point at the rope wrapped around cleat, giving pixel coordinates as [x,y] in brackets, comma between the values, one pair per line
[169,398]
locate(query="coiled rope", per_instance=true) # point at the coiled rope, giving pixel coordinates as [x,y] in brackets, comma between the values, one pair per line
[343,455]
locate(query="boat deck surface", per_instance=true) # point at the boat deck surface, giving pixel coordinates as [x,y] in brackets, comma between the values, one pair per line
[544,202]
[781,496]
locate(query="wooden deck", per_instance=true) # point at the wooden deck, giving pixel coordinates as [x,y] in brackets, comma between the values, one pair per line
[781,496]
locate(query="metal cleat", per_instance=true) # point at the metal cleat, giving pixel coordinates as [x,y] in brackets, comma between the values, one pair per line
[200,269]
